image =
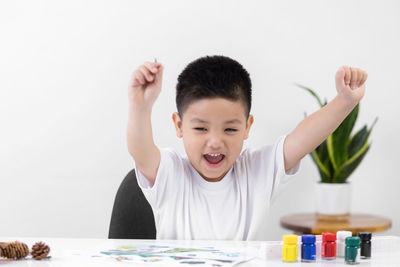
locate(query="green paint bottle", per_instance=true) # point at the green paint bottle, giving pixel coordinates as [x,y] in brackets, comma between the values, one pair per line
[352,250]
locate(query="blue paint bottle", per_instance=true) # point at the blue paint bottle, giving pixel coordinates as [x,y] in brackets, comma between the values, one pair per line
[308,249]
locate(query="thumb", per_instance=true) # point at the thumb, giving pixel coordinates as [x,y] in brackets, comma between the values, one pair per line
[339,78]
[158,76]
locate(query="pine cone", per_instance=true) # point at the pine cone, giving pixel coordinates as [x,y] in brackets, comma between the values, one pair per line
[14,250]
[40,251]
[2,245]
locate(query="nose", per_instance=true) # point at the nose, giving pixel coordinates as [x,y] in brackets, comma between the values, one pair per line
[215,141]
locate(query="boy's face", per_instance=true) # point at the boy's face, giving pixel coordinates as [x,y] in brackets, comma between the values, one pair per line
[213,131]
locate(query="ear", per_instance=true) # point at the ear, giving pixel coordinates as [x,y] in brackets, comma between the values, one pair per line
[249,122]
[178,124]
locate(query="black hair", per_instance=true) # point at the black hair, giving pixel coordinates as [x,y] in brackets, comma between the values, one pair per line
[211,77]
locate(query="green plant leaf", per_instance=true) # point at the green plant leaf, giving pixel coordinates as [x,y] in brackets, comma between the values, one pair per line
[321,158]
[323,171]
[338,140]
[350,165]
[322,151]
[329,143]
[340,154]
[359,139]
[313,93]
[327,163]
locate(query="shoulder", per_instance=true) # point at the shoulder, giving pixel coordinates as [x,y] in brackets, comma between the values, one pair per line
[170,154]
[173,163]
[172,168]
[264,152]
[262,160]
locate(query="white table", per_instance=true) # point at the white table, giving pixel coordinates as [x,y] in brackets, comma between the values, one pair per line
[385,252]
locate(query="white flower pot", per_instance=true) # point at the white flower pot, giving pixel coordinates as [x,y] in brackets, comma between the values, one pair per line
[333,199]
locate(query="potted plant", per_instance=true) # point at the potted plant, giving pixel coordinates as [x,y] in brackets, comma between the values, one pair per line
[336,159]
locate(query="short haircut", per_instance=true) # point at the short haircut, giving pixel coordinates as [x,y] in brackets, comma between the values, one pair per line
[212,77]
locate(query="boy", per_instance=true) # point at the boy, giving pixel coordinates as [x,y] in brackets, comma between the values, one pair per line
[217,192]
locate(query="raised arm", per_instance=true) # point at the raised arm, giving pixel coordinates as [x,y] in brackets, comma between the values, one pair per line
[313,130]
[143,90]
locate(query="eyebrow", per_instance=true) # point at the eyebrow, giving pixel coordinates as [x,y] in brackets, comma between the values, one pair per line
[197,120]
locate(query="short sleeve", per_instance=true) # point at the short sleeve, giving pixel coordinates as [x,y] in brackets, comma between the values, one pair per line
[280,160]
[170,163]
[281,177]
[265,168]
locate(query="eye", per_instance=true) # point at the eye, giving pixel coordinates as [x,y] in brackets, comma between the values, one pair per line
[200,129]
[230,130]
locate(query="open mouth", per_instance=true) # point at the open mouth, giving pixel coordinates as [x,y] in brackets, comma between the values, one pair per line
[214,159]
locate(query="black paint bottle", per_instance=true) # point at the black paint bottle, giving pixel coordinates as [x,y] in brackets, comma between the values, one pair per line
[365,244]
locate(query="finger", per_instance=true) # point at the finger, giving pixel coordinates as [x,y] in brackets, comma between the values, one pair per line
[360,76]
[158,76]
[353,78]
[149,76]
[138,76]
[339,78]
[136,82]
[347,75]
[151,66]
[365,76]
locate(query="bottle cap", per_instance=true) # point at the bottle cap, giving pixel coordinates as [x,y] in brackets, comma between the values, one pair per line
[290,239]
[330,237]
[341,235]
[308,239]
[353,241]
[364,236]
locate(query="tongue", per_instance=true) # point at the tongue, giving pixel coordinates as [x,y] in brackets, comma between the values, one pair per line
[214,160]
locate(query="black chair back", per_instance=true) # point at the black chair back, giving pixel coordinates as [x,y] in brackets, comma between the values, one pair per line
[132,216]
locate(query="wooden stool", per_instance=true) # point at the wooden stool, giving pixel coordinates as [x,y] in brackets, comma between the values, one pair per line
[311,223]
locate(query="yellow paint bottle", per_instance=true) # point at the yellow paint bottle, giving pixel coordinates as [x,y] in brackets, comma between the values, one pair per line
[289,248]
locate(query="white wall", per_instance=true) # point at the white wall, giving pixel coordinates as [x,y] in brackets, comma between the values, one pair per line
[64,69]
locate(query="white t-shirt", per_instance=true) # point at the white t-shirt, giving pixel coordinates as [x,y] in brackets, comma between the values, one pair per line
[187,207]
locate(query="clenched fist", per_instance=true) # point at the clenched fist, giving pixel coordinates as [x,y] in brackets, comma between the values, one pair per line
[145,84]
[350,84]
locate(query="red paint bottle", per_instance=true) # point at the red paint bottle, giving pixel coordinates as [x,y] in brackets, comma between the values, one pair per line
[328,246]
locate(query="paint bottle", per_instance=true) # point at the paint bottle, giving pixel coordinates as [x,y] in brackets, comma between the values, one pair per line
[318,242]
[352,251]
[341,243]
[308,249]
[365,244]
[328,246]
[289,248]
